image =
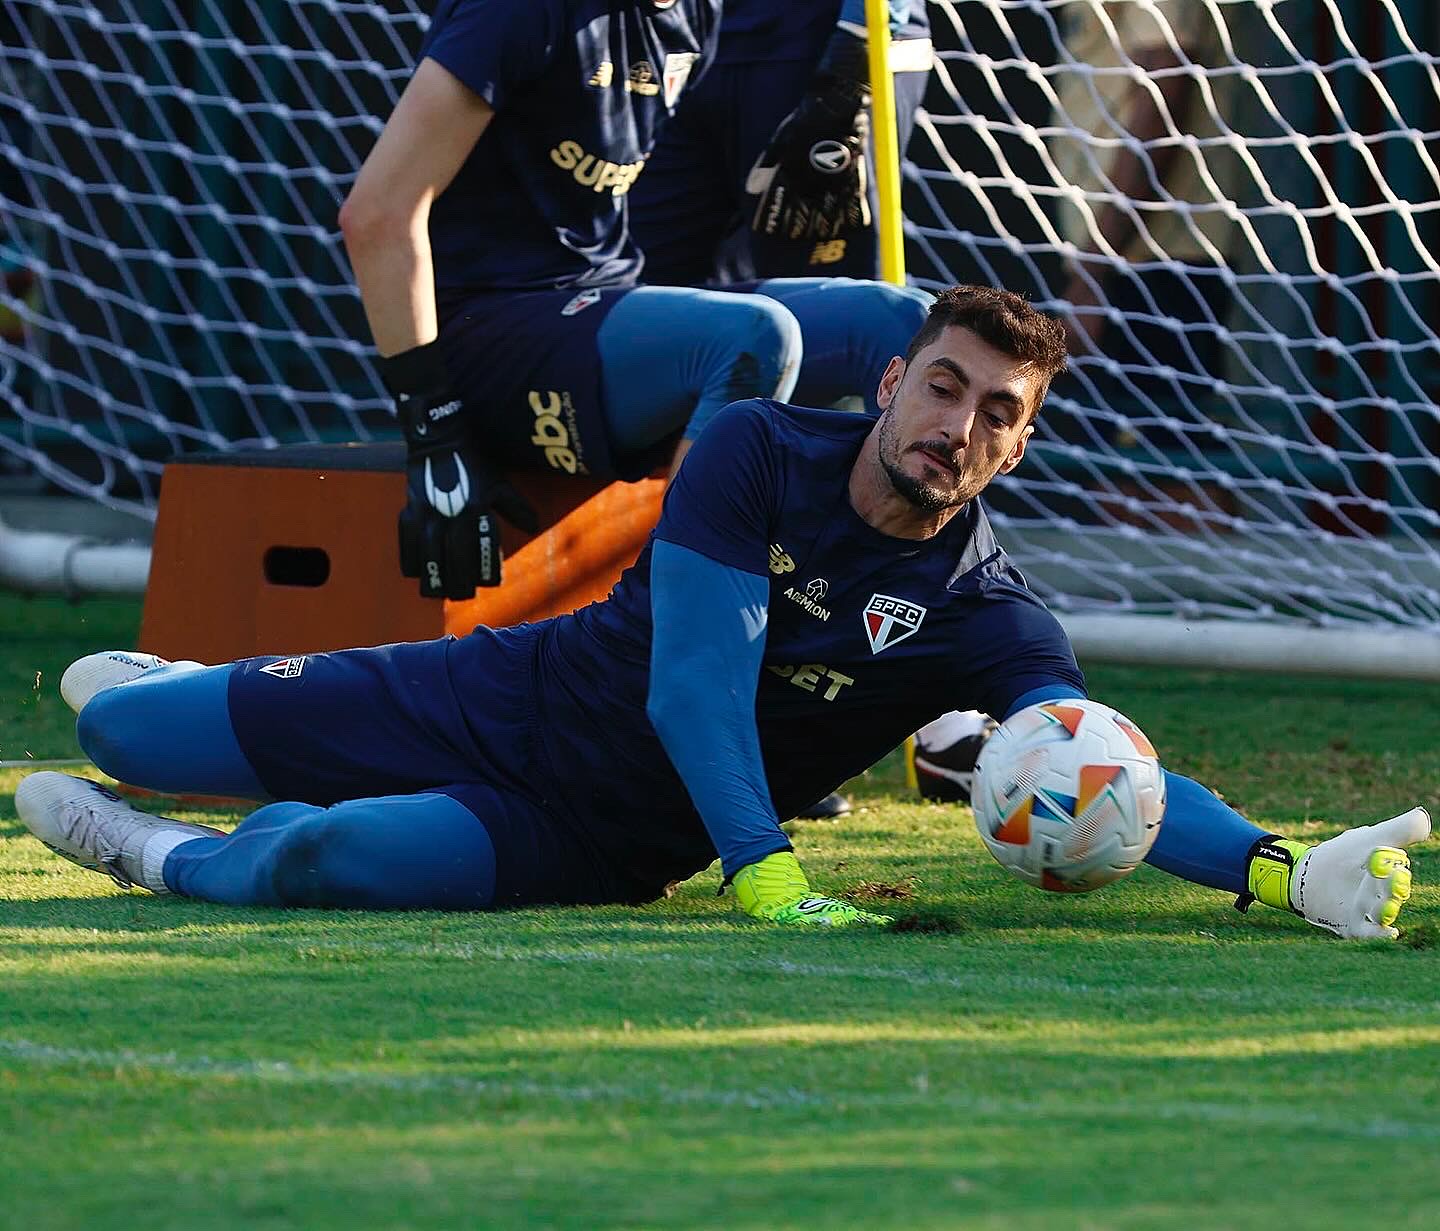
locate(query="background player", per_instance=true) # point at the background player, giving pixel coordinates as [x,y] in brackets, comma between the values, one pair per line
[488,233]
[598,756]
[732,192]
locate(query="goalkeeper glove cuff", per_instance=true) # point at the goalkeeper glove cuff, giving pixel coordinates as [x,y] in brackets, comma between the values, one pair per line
[1268,871]
[417,380]
[449,538]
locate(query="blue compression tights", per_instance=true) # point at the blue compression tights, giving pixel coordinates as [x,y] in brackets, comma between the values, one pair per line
[170,730]
[397,852]
[852,329]
[670,357]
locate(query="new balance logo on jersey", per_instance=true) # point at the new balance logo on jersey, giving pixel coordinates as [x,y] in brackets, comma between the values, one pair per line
[816,590]
[286,668]
[889,621]
[780,561]
[596,173]
[827,252]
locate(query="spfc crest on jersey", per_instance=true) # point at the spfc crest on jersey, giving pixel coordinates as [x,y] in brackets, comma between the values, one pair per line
[890,620]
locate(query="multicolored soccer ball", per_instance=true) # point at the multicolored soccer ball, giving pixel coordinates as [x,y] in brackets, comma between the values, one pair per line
[1069,795]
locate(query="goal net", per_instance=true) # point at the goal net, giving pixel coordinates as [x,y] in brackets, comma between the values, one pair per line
[1236,203]
[1233,201]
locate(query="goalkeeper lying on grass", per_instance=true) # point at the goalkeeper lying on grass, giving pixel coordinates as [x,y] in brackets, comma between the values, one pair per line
[820,584]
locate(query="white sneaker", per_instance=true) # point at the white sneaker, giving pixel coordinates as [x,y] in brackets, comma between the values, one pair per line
[96,672]
[92,826]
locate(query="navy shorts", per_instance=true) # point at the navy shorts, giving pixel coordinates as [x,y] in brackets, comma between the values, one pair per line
[527,366]
[355,724]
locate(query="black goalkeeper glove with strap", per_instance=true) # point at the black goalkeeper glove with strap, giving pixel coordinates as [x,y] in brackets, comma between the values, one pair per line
[449,537]
[811,178]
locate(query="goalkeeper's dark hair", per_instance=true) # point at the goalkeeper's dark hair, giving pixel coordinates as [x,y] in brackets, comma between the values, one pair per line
[1003,319]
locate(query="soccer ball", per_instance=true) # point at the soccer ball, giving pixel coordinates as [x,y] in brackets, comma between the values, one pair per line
[1068,795]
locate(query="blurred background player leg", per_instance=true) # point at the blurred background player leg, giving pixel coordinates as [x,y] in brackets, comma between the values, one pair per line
[943,753]
[852,329]
[670,357]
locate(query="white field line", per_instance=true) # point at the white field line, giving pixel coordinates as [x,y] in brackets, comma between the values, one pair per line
[961,980]
[917,1097]
[982,981]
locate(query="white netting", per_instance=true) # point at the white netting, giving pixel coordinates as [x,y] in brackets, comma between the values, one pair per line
[1240,200]
[172,171]
[1253,431]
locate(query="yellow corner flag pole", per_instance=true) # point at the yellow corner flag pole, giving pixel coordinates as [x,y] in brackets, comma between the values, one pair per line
[884,145]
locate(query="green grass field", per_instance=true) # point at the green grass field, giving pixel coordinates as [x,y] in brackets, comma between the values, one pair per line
[1144,1057]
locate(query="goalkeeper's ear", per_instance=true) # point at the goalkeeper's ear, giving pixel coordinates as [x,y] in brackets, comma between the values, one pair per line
[890,382]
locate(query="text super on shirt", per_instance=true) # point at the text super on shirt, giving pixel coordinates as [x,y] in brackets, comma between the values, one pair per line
[869,637]
[579,89]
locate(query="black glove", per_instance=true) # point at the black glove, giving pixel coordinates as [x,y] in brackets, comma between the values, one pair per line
[449,537]
[811,178]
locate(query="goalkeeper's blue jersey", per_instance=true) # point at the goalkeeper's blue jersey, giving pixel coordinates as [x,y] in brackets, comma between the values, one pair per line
[579,89]
[869,637]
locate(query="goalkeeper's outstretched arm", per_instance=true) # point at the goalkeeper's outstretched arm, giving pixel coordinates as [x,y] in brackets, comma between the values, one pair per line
[709,638]
[1353,884]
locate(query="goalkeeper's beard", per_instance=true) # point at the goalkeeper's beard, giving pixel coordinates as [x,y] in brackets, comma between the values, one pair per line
[922,495]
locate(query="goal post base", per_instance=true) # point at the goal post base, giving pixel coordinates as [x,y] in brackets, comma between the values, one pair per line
[1356,650]
[293,551]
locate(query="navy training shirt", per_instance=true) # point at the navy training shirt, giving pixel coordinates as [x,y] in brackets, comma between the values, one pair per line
[869,637]
[579,88]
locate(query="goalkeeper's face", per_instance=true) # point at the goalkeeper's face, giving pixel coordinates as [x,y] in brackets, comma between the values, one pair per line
[956,415]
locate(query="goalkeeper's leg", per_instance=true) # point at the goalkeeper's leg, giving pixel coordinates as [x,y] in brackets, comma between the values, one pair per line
[472,846]
[319,727]
[169,730]
[404,852]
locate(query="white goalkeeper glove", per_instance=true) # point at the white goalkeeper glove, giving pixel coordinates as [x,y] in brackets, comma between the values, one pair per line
[1354,884]
[776,888]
